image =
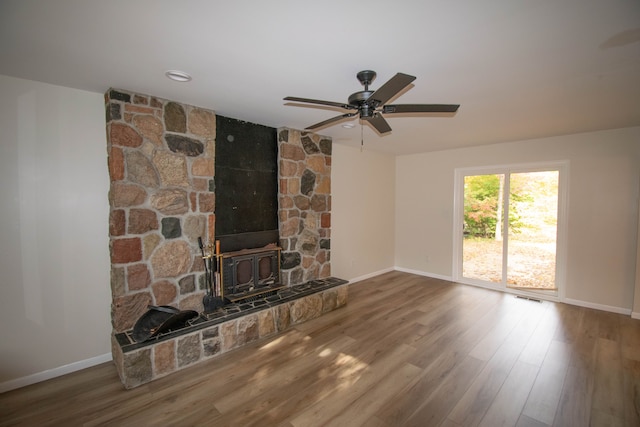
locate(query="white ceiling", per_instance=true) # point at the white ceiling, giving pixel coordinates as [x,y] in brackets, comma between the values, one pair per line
[520,69]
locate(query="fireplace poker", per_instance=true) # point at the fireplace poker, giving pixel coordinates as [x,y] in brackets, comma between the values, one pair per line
[208,301]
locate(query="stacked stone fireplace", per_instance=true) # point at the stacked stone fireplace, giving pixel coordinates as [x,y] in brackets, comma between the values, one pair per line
[161,159]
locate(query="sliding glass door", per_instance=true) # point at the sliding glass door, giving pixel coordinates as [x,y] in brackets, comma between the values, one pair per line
[509,224]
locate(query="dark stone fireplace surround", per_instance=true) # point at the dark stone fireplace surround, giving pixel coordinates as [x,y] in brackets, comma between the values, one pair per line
[162,197]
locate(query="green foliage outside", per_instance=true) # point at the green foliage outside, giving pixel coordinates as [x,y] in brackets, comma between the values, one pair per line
[481,199]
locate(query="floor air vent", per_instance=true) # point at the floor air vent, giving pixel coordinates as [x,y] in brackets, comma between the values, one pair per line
[528,298]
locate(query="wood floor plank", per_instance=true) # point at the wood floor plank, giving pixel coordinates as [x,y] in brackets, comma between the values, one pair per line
[608,387]
[574,407]
[357,381]
[365,406]
[507,406]
[471,408]
[435,408]
[525,421]
[406,350]
[542,403]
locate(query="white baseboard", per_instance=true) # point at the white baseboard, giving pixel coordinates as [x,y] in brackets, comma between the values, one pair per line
[53,373]
[424,273]
[576,302]
[635,315]
[370,275]
[602,307]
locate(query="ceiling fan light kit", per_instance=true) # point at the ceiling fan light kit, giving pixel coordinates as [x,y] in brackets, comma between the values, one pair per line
[369,105]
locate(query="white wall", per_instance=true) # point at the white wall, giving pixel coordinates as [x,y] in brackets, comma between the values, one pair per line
[55,295]
[636,296]
[604,174]
[362,212]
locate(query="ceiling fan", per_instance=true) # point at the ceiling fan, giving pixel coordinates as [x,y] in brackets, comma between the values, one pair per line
[369,104]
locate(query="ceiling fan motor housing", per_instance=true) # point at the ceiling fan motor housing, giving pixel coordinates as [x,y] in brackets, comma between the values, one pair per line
[359,100]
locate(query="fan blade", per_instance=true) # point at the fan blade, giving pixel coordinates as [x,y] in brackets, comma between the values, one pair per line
[390,89]
[420,108]
[378,122]
[331,120]
[318,101]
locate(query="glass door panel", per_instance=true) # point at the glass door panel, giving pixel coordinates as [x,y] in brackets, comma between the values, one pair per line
[481,251]
[532,230]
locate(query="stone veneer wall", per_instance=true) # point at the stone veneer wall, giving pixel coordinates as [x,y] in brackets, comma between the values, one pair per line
[304,203]
[162,165]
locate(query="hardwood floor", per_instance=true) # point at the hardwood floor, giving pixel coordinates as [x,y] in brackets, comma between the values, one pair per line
[405,351]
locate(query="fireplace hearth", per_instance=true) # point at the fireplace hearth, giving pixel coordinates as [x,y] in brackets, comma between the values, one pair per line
[230,327]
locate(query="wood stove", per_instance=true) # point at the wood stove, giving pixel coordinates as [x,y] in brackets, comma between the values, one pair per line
[249,273]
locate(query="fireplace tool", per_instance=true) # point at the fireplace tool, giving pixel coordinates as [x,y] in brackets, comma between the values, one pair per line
[211,301]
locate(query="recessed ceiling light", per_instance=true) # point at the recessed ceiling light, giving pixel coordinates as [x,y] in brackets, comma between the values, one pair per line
[348,125]
[177,75]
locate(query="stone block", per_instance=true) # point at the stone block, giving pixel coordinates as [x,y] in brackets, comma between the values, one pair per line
[140,170]
[202,122]
[175,119]
[211,347]
[282,317]
[291,152]
[172,169]
[116,164]
[203,167]
[266,323]
[116,95]
[306,308]
[126,195]
[138,277]
[164,292]
[140,99]
[326,146]
[189,350]
[172,259]
[210,333]
[141,221]
[164,358]
[117,281]
[187,284]
[309,146]
[317,164]
[149,243]
[181,144]
[113,112]
[137,109]
[137,368]
[287,168]
[171,201]
[171,228]
[124,135]
[207,202]
[307,182]
[343,296]
[117,222]
[229,335]
[248,329]
[150,128]
[126,250]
